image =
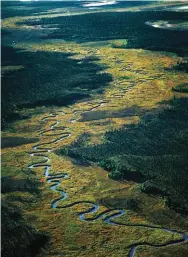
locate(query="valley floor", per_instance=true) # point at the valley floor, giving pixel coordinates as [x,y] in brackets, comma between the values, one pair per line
[70,205]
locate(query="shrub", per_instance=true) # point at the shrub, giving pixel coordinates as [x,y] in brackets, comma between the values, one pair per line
[182,88]
[149,187]
[115,174]
[108,165]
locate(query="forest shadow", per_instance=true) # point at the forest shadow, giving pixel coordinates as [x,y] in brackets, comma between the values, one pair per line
[134,110]
[32,79]
[19,239]
[16,141]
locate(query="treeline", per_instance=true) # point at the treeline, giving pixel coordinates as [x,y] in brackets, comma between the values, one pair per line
[153,152]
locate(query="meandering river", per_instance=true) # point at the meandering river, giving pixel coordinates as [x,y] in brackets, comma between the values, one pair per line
[108,216]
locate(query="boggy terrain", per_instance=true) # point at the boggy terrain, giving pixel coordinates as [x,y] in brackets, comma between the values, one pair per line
[60,183]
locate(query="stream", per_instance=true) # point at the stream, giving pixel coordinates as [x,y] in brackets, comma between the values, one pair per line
[108,216]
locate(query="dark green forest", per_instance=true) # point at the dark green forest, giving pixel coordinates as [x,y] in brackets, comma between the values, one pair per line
[120,25]
[153,153]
